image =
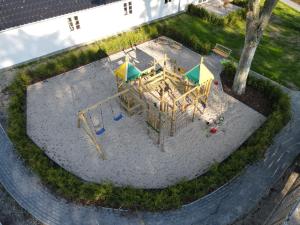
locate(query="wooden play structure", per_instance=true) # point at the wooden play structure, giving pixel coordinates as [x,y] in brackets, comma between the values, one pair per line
[167,96]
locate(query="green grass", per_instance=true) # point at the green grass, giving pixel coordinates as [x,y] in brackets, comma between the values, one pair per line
[278,54]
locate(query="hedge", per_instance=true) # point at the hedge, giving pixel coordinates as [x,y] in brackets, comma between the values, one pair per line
[212,18]
[73,188]
[240,3]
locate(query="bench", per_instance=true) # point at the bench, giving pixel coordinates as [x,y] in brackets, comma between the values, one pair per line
[222,50]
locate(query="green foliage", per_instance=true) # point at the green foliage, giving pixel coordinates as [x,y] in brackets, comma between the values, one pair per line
[212,18]
[73,188]
[240,3]
[205,15]
[190,41]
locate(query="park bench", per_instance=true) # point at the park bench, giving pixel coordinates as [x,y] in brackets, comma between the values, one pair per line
[222,50]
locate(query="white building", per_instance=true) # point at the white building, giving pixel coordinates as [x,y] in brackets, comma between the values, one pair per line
[33,28]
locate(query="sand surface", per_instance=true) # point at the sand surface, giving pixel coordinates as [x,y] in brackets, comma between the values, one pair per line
[132,157]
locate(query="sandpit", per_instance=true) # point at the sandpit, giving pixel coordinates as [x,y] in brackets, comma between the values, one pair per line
[132,157]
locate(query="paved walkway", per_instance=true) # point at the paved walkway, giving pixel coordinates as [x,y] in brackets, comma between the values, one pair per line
[292,4]
[223,206]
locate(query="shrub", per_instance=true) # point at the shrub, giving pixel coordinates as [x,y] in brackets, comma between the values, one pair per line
[212,18]
[191,41]
[240,3]
[205,15]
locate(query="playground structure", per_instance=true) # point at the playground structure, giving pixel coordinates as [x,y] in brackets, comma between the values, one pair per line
[133,158]
[167,96]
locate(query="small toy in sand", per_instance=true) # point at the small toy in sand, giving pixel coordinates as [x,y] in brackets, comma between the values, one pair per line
[213,130]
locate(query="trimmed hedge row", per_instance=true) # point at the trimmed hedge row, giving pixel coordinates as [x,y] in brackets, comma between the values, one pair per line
[240,3]
[73,188]
[190,41]
[212,18]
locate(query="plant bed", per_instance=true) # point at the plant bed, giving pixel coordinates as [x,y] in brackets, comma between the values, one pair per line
[252,97]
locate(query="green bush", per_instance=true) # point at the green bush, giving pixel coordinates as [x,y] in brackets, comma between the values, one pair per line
[190,41]
[212,18]
[75,189]
[205,15]
[240,3]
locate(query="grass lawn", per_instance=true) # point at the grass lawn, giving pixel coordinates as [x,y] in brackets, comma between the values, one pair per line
[278,55]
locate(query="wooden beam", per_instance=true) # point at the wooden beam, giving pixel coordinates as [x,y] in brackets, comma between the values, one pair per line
[153,78]
[104,101]
[172,74]
[154,81]
[91,135]
[185,94]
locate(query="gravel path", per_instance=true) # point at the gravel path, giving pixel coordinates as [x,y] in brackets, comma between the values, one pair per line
[13,214]
[10,212]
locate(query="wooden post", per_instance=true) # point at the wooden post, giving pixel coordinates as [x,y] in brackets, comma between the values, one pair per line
[78,120]
[173,119]
[195,104]
[91,134]
[161,132]
[140,87]
[201,60]
[165,66]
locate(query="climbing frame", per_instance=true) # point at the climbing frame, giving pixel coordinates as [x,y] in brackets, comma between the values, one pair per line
[168,99]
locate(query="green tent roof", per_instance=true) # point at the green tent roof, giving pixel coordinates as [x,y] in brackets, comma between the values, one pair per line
[193,74]
[132,72]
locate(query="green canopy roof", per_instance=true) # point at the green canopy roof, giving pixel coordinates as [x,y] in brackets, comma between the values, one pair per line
[132,72]
[194,74]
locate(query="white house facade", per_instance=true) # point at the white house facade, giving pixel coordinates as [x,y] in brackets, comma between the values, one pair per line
[22,43]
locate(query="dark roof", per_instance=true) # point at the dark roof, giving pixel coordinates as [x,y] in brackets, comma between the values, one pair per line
[18,12]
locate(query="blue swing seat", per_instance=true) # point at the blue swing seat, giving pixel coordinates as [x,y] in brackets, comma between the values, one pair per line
[118,117]
[100,131]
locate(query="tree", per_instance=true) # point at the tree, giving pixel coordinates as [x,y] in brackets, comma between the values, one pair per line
[256,21]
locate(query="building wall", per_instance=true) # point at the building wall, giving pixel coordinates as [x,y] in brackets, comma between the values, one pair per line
[41,38]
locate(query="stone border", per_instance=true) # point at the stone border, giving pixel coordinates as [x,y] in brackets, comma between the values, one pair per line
[222,206]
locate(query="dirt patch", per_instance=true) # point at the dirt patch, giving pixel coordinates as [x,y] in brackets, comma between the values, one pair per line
[251,98]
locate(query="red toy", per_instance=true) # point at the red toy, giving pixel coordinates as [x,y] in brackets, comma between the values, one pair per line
[213,130]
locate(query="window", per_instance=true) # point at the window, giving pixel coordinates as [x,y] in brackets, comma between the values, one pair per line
[71,26]
[130,7]
[127,8]
[77,24]
[72,22]
[167,1]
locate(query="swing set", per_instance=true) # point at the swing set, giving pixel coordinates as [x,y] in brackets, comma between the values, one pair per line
[85,120]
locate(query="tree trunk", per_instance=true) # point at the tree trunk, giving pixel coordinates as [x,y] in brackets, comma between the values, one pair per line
[256,22]
[240,79]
